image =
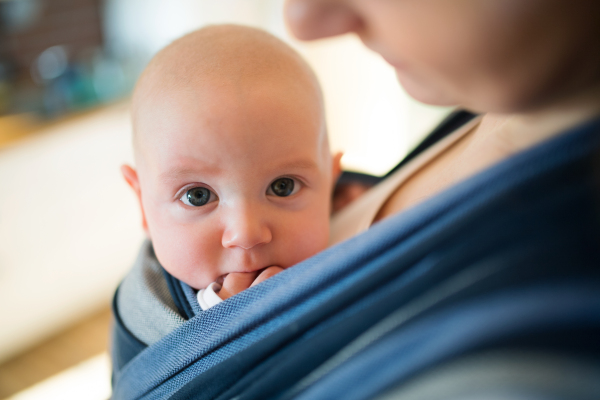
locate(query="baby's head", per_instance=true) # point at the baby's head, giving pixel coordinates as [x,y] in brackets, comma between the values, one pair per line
[233,169]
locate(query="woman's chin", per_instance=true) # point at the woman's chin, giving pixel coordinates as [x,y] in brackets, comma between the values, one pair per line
[424,93]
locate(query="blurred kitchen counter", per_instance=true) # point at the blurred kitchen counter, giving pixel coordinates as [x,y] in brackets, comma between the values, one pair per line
[76,344]
[14,127]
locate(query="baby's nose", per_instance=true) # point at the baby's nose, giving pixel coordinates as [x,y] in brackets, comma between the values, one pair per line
[245,229]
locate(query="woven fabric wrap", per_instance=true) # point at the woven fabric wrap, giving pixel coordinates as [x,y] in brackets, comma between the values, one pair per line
[549,196]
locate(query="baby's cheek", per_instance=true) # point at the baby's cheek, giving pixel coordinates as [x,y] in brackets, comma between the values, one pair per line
[189,253]
[308,237]
[206,253]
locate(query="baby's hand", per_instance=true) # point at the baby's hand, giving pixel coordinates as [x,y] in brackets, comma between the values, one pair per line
[236,282]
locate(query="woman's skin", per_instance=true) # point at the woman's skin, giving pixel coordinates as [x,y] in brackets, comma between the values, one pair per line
[532,66]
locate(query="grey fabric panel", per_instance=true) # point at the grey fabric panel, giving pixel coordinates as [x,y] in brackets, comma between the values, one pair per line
[505,376]
[144,302]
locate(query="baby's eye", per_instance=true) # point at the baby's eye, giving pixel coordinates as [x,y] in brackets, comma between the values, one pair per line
[283,187]
[198,196]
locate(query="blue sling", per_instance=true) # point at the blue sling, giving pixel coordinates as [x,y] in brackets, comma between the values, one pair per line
[507,260]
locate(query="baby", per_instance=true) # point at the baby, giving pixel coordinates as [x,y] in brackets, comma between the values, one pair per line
[233,171]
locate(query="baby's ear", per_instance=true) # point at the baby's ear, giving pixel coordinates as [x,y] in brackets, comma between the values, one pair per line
[336,166]
[131,177]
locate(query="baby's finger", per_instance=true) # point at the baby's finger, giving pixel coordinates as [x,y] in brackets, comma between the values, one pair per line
[266,274]
[236,282]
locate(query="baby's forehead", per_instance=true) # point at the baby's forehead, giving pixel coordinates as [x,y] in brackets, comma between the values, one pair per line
[230,54]
[221,61]
[225,116]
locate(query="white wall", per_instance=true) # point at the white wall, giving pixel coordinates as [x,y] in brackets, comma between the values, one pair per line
[69,226]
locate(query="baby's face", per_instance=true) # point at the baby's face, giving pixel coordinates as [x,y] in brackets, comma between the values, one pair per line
[233,181]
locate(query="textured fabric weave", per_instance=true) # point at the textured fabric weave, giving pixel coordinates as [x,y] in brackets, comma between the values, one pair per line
[145,304]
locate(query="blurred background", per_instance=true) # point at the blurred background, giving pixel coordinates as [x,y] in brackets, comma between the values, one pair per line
[69,227]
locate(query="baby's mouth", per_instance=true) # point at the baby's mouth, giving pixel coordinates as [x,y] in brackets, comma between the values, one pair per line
[221,278]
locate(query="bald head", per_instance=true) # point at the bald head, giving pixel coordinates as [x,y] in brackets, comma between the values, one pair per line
[233,171]
[223,58]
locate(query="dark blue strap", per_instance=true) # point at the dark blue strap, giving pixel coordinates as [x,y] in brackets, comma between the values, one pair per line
[448,125]
[181,301]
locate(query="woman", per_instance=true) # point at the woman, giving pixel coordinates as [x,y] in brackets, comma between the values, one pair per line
[480,278]
[531,66]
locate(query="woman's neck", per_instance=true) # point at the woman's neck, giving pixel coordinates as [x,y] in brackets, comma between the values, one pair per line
[516,132]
